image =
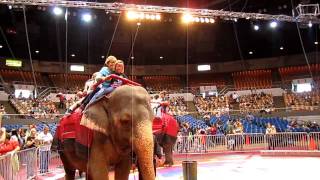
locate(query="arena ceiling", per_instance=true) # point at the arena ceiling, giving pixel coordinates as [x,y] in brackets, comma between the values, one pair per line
[225,40]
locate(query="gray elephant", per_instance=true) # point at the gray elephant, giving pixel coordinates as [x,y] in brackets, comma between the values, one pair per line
[121,123]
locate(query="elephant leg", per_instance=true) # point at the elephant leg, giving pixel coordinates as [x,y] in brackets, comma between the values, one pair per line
[98,166]
[122,169]
[168,155]
[70,172]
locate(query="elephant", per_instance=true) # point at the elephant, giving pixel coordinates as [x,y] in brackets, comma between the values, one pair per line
[166,131]
[121,123]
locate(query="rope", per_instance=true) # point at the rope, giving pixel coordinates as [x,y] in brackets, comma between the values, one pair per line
[29,49]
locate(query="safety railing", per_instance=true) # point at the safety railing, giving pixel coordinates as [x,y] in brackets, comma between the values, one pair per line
[48,161]
[247,142]
[20,165]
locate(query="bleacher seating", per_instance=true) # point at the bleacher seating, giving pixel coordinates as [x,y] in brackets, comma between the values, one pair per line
[256,125]
[21,77]
[159,83]
[74,81]
[295,72]
[256,79]
[207,80]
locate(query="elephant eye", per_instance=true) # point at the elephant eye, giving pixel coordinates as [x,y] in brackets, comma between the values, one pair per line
[125,123]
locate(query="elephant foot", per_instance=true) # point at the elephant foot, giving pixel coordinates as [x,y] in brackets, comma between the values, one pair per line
[168,164]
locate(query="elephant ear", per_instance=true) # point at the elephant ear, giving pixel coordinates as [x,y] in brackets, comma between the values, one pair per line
[96,117]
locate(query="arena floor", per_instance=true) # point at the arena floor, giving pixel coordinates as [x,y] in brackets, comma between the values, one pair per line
[240,167]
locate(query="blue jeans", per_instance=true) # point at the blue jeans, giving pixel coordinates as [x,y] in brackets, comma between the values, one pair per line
[102,92]
[44,161]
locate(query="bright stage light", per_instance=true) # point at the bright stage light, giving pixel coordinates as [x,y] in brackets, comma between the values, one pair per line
[206,20]
[256,27]
[187,18]
[212,20]
[141,16]
[86,17]
[310,24]
[158,17]
[1,46]
[281,48]
[316,42]
[273,24]
[250,52]
[152,17]
[57,11]
[202,20]
[37,51]
[132,15]
[196,19]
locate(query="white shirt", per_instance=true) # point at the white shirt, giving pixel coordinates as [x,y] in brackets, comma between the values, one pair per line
[45,139]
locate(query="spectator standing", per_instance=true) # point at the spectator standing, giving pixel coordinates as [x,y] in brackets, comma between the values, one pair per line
[45,139]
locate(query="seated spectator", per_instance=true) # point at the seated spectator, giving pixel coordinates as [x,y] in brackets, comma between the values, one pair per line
[256,103]
[302,101]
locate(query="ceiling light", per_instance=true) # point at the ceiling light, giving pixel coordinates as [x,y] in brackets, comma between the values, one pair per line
[310,24]
[102,57]
[207,20]
[158,17]
[1,46]
[37,51]
[187,18]
[57,11]
[132,15]
[73,55]
[316,42]
[273,24]
[212,20]
[86,17]
[132,57]
[250,52]
[161,57]
[138,23]
[256,27]
[281,48]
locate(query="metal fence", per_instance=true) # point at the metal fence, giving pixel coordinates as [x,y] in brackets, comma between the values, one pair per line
[20,165]
[247,142]
[29,163]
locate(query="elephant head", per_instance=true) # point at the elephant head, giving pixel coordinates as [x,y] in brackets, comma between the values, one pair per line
[125,117]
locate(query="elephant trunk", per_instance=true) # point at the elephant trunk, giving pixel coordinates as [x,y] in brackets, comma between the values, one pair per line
[143,143]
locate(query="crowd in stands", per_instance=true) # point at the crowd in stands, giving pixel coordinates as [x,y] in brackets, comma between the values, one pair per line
[177,106]
[36,108]
[212,105]
[302,101]
[256,102]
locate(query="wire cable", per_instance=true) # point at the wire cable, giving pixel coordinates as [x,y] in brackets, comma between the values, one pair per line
[113,35]
[29,49]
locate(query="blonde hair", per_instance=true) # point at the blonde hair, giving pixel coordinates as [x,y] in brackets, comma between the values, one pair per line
[119,62]
[110,58]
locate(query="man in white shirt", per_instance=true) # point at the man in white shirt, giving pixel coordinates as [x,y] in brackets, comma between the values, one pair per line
[45,139]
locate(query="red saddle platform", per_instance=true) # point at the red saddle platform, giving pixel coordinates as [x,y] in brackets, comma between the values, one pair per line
[69,128]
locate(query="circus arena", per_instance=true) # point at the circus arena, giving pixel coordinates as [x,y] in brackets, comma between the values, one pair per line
[165,90]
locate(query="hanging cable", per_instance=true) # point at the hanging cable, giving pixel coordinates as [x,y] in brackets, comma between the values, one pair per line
[237,41]
[66,49]
[113,35]
[133,43]
[28,44]
[302,45]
